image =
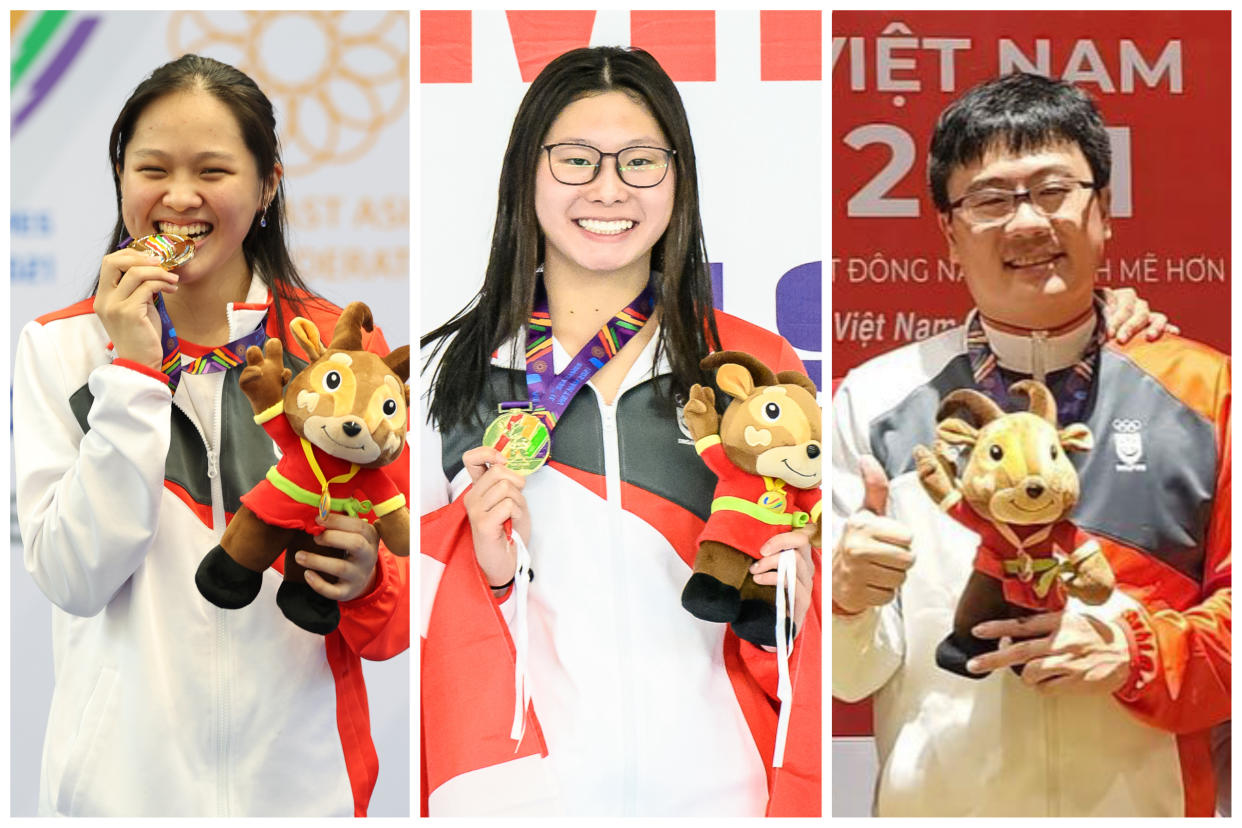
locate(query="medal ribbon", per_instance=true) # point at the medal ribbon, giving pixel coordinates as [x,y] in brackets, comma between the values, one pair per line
[1071,387]
[325,500]
[550,393]
[219,359]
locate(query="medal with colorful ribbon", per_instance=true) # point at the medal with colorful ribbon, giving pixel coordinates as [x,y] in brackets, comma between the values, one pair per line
[523,434]
[174,251]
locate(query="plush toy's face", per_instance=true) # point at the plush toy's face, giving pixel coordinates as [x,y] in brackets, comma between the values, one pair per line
[1019,472]
[351,405]
[348,401]
[772,430]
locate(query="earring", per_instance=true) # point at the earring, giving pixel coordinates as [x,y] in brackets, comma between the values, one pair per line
[263,217]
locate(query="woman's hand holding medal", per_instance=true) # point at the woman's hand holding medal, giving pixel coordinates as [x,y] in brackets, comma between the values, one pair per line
[495,497]
[129,282]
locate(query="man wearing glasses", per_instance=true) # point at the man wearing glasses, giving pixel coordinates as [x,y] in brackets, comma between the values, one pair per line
[1111,712]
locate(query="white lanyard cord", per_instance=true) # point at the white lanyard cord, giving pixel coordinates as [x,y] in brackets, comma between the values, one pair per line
[786,585]
[521,681]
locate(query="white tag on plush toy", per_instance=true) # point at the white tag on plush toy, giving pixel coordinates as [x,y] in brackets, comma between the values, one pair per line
[786,585]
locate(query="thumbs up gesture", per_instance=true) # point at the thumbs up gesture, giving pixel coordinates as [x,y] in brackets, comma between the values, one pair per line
[870,561]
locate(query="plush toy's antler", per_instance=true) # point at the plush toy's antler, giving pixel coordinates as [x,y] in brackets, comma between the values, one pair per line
[1042,402]
[984,410]
[347,336]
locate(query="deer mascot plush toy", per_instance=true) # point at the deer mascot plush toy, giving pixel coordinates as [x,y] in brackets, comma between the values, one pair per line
[766,452]
[1016,491]
[341,419]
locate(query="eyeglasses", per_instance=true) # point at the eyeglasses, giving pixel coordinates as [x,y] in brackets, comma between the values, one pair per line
[578,164]
[1048,198]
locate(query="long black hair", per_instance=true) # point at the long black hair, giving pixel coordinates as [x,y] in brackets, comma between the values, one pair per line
[263,247]
[683,293]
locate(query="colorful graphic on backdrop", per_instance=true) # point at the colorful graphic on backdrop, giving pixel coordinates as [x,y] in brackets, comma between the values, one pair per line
[331,108]
[49,40]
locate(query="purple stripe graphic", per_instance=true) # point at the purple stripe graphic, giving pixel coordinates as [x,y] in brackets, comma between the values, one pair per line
[52,73]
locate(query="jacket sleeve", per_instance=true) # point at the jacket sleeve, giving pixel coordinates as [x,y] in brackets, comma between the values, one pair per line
[377,625]
[1181,659]
[88,504]
[867,648]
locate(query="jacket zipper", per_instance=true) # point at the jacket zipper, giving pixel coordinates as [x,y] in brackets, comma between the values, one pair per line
[625,660]
[1039,355]
[219,656]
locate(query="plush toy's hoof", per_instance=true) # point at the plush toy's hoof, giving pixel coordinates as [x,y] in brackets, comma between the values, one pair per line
[953,653]
[712,600]
[307,608]
[756,623]
[226,583]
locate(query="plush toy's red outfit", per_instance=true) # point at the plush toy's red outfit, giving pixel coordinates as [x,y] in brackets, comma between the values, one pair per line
[747,509]
[1037,541]
[277,508]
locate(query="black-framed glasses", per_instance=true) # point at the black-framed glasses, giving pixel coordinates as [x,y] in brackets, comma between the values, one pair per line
[578,164]
[1048,198]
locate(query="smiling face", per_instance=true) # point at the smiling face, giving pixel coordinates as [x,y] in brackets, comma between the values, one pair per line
[187,171]
[1031,271]
[605,226]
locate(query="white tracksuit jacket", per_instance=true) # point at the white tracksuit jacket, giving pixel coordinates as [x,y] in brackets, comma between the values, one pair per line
[164,704]
[630,691]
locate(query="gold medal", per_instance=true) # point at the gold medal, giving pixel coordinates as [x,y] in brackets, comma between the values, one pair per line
[521,437]
[173,250]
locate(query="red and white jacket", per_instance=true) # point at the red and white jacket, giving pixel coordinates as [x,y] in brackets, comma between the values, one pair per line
[638,708]
[165,705]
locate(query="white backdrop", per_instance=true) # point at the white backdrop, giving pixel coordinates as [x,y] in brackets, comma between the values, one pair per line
[340,84]
[759,151]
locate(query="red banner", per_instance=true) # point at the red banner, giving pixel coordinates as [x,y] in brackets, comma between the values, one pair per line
[1161,81]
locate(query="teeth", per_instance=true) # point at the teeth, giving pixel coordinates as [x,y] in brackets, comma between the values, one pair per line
[605,228]
[196,229]
[1045,259]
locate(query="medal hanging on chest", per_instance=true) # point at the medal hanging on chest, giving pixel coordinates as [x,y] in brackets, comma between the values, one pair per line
[523,431]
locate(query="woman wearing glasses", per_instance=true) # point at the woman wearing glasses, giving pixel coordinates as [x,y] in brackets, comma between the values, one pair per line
[597,277]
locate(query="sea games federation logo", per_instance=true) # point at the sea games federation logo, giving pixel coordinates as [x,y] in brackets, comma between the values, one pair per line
[1128,443]
[336,78]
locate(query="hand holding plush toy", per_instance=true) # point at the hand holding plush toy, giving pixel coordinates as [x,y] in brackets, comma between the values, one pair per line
[1016,492]
[342,418]
[766,452]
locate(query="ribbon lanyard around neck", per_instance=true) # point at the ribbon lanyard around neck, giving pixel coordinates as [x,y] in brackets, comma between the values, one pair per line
[218,359]
[550,392]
